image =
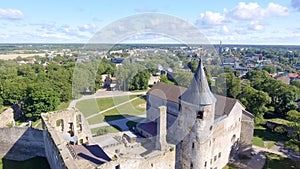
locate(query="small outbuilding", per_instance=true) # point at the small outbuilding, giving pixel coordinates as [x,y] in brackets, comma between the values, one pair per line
[130,137]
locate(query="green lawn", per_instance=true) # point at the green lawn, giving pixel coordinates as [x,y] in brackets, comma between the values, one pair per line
[63,105]
[257,141]
[279,121]
[91,106]
[33,163]
[37,124]
[230,166]
[262,134]
[104,130]
[124,111]
[271,144]
[275,161]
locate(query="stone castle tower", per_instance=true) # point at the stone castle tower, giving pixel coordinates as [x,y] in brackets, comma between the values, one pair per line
[195,123]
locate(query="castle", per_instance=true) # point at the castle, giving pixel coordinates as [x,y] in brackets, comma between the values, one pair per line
[208,130]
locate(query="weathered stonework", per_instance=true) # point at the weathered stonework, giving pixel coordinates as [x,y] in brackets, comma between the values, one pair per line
[7,117]
[18,143]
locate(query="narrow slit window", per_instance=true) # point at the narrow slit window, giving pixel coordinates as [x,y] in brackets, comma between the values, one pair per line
[200,114]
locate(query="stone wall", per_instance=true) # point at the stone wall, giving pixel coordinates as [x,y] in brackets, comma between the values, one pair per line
[56,125]
[247,132]
[52,152]
[21,143]
[165,160]
[226,138]
[7,117]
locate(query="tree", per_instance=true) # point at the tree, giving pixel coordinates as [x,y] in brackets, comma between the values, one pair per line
[227,84]
[255,101]
[270,68]
[283,96]
[14,90]
[41,98]
[295,83]
[164,78]
[183,78]
[193,65]
[140,81]
[294,142]
[128,76]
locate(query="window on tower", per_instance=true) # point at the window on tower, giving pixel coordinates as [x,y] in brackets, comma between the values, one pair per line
[200,114]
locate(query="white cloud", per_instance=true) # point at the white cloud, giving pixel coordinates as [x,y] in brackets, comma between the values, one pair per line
[210,18]
[245,11]
[11,14]
[88,28]
[253,11]
[275,10]
[255,26]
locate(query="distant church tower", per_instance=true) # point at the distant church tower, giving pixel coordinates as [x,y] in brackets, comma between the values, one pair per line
[220,49]
[195,123]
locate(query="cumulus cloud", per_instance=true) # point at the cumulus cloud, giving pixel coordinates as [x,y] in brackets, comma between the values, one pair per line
[253,11]
[88,28]
[211,18]
[244,11]
[255,26]
[296,4]
[11,14]
[275,10]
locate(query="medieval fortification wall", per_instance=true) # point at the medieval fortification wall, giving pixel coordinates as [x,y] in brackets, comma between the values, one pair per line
[18,143]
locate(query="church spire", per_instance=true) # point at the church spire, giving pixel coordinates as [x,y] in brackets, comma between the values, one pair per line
[199,92]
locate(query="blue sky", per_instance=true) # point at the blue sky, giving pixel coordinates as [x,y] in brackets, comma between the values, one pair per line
[76,21]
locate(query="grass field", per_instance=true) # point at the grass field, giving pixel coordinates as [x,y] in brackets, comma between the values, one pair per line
[106,129]
[133,108]
[37,124]
[229,166]
[33,163]
[63,105]
[275,161]
[262,134]
[257,141]
[280,121]
[91,106]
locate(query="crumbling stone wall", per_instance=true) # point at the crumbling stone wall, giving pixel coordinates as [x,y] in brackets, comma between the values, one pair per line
[7,117]
[158,160]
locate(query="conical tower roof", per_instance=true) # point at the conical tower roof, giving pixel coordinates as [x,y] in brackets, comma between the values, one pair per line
[199,92]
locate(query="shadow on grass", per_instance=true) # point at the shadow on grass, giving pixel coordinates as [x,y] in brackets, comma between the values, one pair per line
[120,121]
[268,135]
[274,161]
